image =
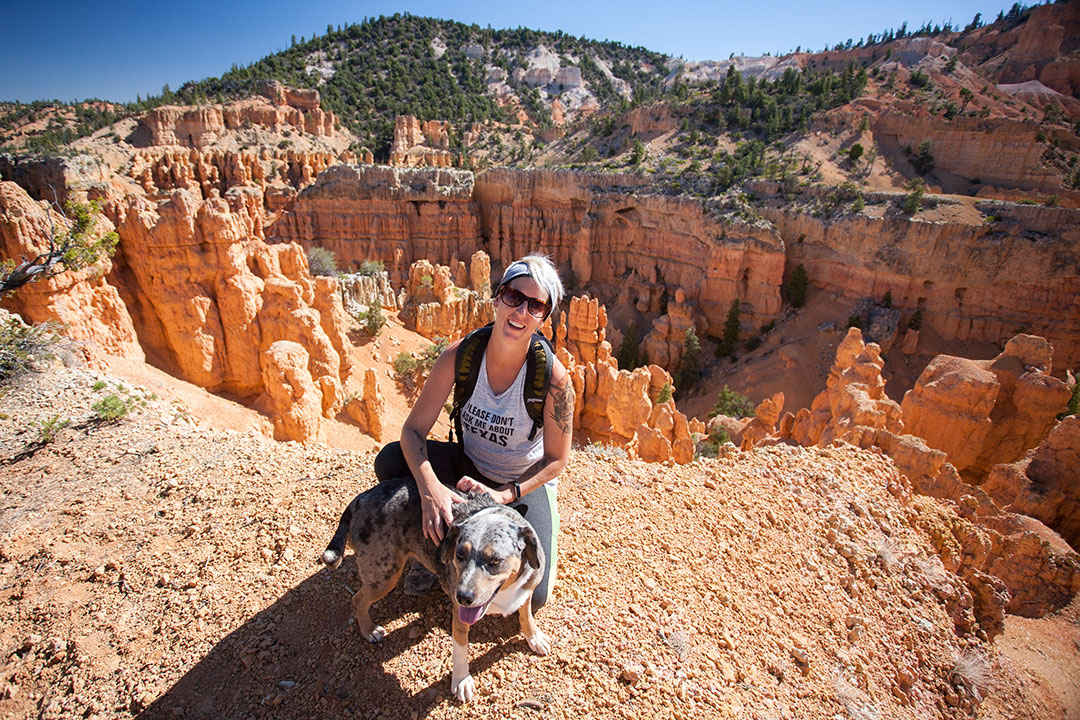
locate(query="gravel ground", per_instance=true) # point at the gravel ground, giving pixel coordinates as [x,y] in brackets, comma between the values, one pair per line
[153,567]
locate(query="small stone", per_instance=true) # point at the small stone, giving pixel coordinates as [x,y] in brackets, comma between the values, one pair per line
[800,656]
[288,555]
[727,672]
[631,674]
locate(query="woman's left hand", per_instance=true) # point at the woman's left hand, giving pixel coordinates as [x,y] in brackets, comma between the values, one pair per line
[502,496]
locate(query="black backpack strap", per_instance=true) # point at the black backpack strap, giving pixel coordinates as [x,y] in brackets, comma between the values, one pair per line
[538,363]
[466,371]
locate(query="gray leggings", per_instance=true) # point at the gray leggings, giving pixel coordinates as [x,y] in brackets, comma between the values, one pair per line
[449,462]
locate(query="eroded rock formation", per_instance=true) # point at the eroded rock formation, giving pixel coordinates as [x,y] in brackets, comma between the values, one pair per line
[1010,563]
[1044,483]
[613,406]
[424,143]
[198,127]
[208,300]
[985,412]
[436,307]
[162,169]
[295,399]
[666,341]
[82,301]
[764,423]
[854,402]
[367,409]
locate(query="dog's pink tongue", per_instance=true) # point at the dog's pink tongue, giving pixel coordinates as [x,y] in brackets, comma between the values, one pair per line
[469,615]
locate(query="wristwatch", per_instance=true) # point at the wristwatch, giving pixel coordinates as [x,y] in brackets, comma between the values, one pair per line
[516,486]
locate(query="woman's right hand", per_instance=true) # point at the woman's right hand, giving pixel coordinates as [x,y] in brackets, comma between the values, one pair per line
[436,506]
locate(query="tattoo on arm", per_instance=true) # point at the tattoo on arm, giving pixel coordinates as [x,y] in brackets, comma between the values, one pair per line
[562,404]
[421,447]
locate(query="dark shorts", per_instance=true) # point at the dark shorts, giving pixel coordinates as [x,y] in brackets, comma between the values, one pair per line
[539,507]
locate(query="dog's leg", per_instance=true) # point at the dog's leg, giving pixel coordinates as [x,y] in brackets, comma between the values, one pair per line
[371,592]
[461,682]
[537,640]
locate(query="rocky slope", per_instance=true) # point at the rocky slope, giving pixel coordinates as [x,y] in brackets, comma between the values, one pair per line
[154,567]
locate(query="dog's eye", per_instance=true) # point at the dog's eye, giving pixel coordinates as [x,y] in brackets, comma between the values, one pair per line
[462,553]
[493,564]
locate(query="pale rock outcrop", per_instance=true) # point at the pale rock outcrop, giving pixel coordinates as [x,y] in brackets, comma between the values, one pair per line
[618,406]
[84,302]
[367,409]
[1044,483]
[985,412]
[666,341]
[435,307]
[358,292]
[420,143]
[295,399]
[764,423]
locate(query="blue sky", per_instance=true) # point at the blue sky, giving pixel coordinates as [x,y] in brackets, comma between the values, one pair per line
[114,49]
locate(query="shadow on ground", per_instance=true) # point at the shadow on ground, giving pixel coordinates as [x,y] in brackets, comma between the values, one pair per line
[303,657]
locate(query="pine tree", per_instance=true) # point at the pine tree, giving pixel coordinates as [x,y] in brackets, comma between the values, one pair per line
[690,367]
[795,288]
[731,331]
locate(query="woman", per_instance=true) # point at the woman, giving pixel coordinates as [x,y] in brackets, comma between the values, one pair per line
[500,458]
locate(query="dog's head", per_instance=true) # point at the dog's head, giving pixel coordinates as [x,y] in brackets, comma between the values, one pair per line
[486,549]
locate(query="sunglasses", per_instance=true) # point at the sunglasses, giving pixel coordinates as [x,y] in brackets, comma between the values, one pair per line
[513,298]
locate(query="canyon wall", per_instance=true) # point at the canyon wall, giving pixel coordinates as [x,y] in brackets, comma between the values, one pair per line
[393,215]
[994,151]
[607,234]
[591,224]
[983,282]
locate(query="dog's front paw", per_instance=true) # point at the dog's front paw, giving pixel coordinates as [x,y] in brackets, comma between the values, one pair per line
[377,634]
[464,688]
[539,643]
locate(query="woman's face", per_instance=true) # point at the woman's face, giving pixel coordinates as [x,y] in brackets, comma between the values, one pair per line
[517,322]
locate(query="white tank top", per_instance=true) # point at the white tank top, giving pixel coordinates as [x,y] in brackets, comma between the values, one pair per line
[495,429]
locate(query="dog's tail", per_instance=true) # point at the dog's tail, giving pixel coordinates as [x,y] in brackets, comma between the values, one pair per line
[335,551]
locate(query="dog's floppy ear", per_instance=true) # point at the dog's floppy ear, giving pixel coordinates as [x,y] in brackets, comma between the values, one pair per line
[531,543]
[449,544]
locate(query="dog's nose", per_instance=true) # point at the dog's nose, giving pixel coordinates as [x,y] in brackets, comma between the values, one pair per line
[464,597]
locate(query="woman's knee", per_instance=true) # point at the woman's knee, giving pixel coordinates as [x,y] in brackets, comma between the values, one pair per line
[390,462]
